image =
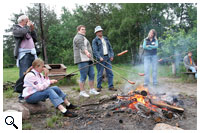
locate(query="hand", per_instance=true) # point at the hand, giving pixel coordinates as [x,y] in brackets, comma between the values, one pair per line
[111,59]
[101,59]
[46,72]
[88,54]
[53,81]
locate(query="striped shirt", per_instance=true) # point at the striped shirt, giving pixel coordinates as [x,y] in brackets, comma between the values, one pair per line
[34,83]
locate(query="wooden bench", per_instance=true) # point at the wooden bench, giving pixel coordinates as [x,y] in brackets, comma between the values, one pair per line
[191,75]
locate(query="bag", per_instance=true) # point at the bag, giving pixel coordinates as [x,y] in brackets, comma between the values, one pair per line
[19,84]
[37,51]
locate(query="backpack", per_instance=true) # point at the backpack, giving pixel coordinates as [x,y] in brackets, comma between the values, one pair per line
[19,84]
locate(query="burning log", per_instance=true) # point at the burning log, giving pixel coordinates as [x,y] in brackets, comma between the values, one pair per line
[164,105]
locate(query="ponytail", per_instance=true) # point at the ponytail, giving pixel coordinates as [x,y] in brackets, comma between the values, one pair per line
[28,70]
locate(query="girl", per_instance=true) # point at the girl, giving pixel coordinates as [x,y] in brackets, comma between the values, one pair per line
[37,89]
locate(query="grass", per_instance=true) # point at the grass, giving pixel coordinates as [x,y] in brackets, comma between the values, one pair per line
[126,70]
[52,121]
[9,93]
[26,126]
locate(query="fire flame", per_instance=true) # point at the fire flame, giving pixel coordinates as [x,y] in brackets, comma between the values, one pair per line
[140,95]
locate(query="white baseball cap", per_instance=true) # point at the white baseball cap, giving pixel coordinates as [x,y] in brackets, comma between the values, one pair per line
[98,28]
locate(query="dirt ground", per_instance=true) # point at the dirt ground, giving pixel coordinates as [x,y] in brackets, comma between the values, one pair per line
[96,117]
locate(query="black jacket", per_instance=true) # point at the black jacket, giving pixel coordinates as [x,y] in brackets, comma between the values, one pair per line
[19,33]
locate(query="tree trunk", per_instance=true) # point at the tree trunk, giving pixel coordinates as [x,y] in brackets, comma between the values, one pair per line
[44,52]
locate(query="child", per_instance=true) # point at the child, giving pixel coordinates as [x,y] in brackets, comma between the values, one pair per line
[37,89]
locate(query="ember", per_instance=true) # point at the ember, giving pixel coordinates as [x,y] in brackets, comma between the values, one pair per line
[145,103]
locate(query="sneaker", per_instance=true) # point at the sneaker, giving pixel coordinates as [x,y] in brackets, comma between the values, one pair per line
[98,89]
[93,91]
[21,100]
[71,106]
[84,94]
[69,114]
[112,89]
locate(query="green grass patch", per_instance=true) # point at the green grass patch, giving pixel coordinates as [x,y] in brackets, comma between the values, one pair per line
[52,121]
[76,89]
[26,126]
[9,93]
[10,74]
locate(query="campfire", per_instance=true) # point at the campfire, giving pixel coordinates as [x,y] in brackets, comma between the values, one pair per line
[148,105]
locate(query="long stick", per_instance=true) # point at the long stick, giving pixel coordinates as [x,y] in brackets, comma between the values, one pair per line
[131,82]
[78,70]
[140,74]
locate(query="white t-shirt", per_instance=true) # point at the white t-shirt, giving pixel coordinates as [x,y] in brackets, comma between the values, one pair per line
[105,50]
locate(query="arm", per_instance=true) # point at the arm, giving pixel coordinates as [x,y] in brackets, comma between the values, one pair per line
[110,49]
[154,46]
[32,80]
[145,46]
[20,32]
[185,61]
[96,53]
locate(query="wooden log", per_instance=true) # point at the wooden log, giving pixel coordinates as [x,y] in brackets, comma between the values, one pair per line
[165,105]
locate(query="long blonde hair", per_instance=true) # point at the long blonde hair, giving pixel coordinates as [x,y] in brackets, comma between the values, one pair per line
[154,34]
[36,63]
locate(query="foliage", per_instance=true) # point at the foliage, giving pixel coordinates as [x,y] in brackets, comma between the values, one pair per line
[125,24]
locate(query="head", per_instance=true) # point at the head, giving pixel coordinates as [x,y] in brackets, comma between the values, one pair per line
[81,29]
[189,53]
[23,20]
[152,34]
[98,31]
[38,65]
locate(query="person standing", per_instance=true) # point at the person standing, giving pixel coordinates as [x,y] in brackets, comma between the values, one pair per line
[25,38]
[189,63]
[150,46]
[83,57]
[103,52]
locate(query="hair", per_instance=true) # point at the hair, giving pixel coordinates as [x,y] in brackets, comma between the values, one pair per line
[36,63]
[22,17]
[79,27]
[189,52]
[154,34]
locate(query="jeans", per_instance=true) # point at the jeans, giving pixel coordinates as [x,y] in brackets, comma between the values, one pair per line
[109,73]
[148,61]
[25,63]
[54,93]
[86,71]
[194,71]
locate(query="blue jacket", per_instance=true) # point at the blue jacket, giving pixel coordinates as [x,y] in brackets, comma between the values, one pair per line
[97,47]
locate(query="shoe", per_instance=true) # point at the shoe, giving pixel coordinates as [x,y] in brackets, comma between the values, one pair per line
[21,100]
[112,89]
[93,91]
[69,114]
[98,89]
[71,106]
[84,94]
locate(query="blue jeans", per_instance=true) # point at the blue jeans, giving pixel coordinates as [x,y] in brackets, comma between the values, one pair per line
[54,93]
[109,73]
[86,71]
[194,71]
[148,61]
[25,63]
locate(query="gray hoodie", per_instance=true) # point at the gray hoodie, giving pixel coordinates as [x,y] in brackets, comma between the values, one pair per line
[80,44]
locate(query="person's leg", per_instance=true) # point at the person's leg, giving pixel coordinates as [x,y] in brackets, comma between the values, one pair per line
[146,69]
[83,77]
[24,64]
[109,73]
[193,69]
[91,81]
[58,91]
[154,69]
[91,75]
[99,75]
